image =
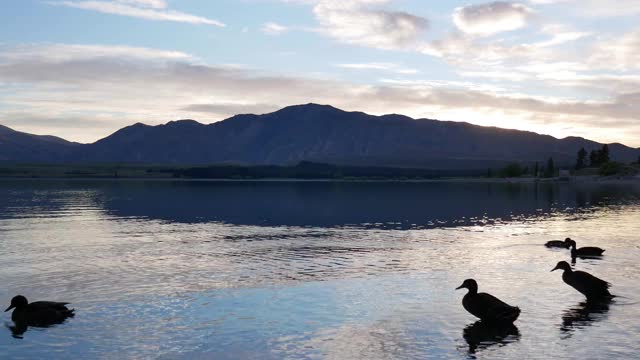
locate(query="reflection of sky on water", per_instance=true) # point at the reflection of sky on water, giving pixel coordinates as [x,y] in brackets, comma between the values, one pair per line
[162,282]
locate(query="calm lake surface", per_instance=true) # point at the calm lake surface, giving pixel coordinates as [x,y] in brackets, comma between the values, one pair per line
[314,270]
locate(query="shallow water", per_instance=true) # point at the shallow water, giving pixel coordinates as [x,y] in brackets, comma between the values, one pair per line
[317,270]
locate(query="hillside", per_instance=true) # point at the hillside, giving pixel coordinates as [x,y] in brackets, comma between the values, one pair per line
[17,146]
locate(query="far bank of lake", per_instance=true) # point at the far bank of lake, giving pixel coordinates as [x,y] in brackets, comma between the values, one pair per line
[302,172]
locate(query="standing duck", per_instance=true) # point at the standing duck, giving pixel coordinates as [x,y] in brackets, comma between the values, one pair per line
[557,244]
[39,313]
[583,251]
[590,286]
[485,306]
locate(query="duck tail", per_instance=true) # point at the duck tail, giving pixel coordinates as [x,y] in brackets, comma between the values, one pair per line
[515,313]
[511,315]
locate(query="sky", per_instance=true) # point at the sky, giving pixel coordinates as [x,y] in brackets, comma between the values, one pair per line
[82,69]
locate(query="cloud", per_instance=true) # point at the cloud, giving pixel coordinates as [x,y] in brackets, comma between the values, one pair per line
[495,75]
[465,51]
[144,9]
[560,49]
[617,52]
[596,8]
[554,56]
[271,28]
[395,68]
[428,85]
[363,22]
[54,53]
[156,4]
[562,38]
[491,18]
[105,92]
[231,108]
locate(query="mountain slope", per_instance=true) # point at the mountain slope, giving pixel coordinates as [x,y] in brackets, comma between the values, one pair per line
[323,133]
[326,134]
[23,147]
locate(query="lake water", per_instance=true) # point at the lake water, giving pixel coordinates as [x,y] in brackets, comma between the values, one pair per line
[314,270]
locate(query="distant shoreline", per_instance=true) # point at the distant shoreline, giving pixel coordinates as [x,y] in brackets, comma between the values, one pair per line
[476,180]
[302,172]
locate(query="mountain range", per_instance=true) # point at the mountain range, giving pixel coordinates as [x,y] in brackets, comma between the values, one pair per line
[311,132]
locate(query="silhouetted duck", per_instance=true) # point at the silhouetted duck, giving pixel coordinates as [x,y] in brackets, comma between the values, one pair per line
[557,244]
[583,251]
[39,313]
[485,306]
[590,286]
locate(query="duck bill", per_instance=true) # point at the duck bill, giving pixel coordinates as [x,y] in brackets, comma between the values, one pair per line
[554,269]
[9,308]
[460,287]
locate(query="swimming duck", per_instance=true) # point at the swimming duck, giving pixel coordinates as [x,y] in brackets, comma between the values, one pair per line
[589,285]
[485,306]
[39,313]
[557,243]
[583,251]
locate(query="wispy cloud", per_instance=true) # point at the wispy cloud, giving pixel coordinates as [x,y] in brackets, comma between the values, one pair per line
[156,4]
[391,67]
[596,8]
[144,9]
[272,28]
[231,108]
[617,52]
[56,53]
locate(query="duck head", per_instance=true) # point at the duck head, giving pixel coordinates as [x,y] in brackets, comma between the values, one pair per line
[470,284]
[569,243]
[17,302]
[562,265]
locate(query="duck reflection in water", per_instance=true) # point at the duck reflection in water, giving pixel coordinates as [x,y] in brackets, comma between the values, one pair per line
[582,315]
[481,335]
[19,327]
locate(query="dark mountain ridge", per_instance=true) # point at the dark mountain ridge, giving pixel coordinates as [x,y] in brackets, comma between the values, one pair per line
[321,133]
[19,146]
